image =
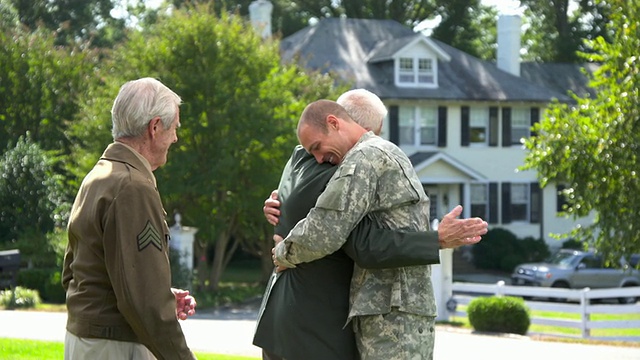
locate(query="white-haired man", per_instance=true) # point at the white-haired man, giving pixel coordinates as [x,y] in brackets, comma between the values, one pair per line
[116,273]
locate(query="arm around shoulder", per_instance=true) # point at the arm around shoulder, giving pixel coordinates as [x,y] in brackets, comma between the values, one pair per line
[374,248]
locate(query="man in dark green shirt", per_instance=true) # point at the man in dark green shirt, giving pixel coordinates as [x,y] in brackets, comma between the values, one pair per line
[310,303]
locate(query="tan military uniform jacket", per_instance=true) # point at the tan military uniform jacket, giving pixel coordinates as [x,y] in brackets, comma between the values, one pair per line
[375,179]
[116,267]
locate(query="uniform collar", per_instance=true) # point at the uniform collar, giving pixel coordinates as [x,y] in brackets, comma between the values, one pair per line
[123,153]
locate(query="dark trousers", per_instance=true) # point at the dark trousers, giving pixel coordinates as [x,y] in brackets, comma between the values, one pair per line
[268,356]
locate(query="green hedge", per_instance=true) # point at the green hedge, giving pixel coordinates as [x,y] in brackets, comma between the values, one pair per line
[46,281]
[503,314]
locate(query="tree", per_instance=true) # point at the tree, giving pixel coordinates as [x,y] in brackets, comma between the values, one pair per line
[238,122]
[40,84]
[291,16]
[593,146]
[72,20]
[467,26]
[556,32]
[31,196]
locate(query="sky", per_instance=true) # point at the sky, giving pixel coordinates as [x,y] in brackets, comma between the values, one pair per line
[504,6]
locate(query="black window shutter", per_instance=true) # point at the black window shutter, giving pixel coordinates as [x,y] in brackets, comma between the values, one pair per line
[464,118]
[561,199]
[535,206]
[493,203]
[506,126]
[394,126]
[442,126]
[493,126]
[535,117]
[506,203]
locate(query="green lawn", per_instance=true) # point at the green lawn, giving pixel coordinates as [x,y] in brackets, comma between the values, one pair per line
[18,349]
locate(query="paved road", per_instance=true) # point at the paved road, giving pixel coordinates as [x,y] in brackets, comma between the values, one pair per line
[232,333]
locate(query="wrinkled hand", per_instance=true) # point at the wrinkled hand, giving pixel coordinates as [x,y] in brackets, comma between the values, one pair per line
[276,240]
[454,232]
[271,208]
[185,303]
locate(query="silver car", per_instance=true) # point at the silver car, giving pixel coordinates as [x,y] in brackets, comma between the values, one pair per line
[573,269]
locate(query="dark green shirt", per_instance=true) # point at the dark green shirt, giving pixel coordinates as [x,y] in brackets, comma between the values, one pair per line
[309,304]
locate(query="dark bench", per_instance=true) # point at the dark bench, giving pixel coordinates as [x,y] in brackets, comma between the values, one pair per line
[9,266]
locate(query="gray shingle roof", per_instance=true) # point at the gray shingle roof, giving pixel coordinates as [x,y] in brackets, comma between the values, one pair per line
[346,46]
[561,77]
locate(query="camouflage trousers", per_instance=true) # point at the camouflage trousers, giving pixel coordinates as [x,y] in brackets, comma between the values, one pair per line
[395,336]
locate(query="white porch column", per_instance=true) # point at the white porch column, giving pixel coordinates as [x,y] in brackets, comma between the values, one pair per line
[182,238]
[442,279]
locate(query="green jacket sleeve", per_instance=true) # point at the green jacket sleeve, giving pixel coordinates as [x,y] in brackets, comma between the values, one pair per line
[374,248]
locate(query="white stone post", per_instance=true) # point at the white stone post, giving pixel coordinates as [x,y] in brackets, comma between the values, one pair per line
[260,16]
[182,238]
[442,279]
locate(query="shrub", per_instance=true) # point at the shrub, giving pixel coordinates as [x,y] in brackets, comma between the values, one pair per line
[19,298]
[53,291]
[496,245]
[46,281]
[501,250]
[499,314]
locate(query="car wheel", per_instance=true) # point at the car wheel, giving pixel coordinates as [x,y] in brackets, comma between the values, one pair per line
[629,299]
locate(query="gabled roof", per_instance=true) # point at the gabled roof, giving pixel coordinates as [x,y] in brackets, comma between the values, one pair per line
[386,50]
[423,159]
[346,46]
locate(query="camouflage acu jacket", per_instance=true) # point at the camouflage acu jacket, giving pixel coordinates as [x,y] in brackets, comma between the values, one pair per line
[375,179]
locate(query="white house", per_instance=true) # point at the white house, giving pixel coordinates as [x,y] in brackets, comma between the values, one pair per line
[459,119]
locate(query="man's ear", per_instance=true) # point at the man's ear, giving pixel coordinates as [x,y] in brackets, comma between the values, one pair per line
[333,122]
[154,126]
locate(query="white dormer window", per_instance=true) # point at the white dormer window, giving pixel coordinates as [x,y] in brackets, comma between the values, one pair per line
[416,71]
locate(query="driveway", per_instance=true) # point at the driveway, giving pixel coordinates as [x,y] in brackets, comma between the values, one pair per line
[231,333]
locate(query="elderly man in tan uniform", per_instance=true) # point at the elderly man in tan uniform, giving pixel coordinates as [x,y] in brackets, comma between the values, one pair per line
[116,269]
[393,310]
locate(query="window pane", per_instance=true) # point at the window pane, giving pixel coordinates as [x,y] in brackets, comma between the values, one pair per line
[428,124]
[517,134]
[425,64]
[478,135]
[479,203]
[518,212]
[479,210]
[478,120]
[406,64]
[425,79]
[405,78]
[478,193]
[519,124]
[519,193]
[428,136]
[407,125]
[519,202]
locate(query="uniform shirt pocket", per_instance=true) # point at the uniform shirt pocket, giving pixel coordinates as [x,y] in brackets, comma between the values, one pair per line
[334,197]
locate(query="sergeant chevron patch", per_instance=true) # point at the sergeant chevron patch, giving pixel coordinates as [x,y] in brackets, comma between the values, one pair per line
[149,235]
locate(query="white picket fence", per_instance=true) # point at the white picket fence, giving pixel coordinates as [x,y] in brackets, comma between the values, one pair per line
[577,301]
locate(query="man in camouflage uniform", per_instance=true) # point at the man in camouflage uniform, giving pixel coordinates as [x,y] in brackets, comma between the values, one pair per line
[393,310]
